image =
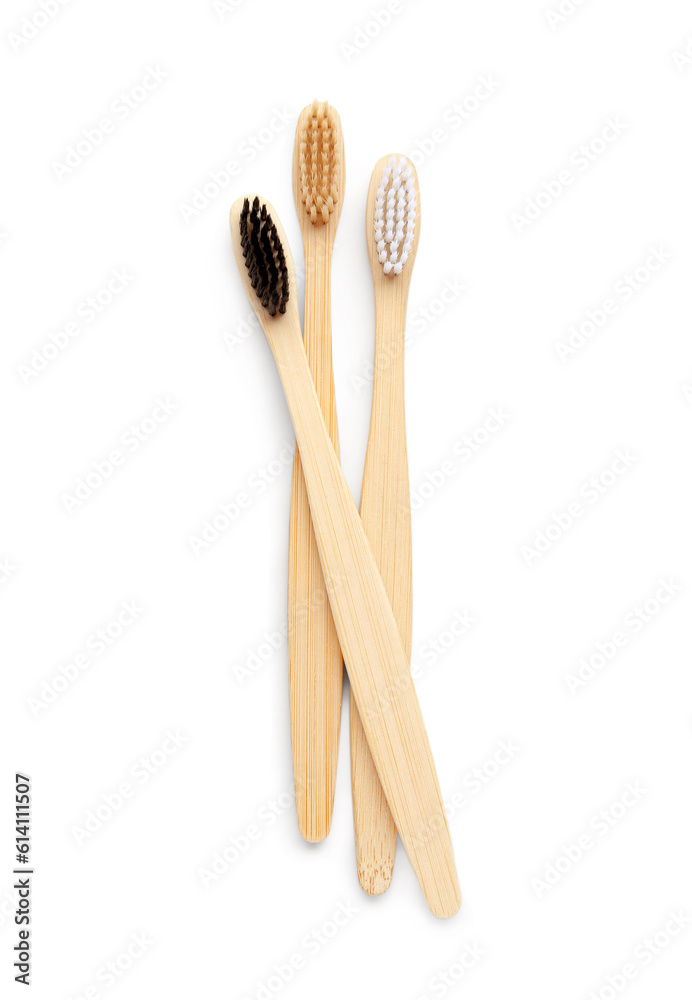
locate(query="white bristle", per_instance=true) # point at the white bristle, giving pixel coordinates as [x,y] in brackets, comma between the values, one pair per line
[395,215]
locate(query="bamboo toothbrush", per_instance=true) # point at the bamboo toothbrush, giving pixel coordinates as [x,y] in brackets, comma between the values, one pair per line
[315,665]
[375,658]
[391,224]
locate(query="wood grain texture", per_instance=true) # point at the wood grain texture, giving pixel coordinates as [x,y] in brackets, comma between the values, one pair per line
[315,665]
[385,510]
[375,658]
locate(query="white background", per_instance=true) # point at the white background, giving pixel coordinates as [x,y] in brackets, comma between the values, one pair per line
[176,331]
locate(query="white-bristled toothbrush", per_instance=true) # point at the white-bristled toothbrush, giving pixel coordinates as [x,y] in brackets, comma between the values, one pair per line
[392,223]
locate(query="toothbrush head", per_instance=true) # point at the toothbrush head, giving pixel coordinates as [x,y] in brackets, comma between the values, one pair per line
[396,199]
[264,256]
[320,161]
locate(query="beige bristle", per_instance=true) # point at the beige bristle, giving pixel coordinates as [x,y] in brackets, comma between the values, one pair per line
[319,164]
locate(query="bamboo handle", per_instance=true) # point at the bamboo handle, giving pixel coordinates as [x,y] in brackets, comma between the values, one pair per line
[315,661]
[375,658]
[368,633]
[386,515]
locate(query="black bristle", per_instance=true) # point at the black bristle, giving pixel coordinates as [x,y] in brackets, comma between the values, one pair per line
[267,246]
[264,255]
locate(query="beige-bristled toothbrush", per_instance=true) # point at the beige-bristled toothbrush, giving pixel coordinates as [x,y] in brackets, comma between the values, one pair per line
[392,224]
[315,665]
[376,661]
